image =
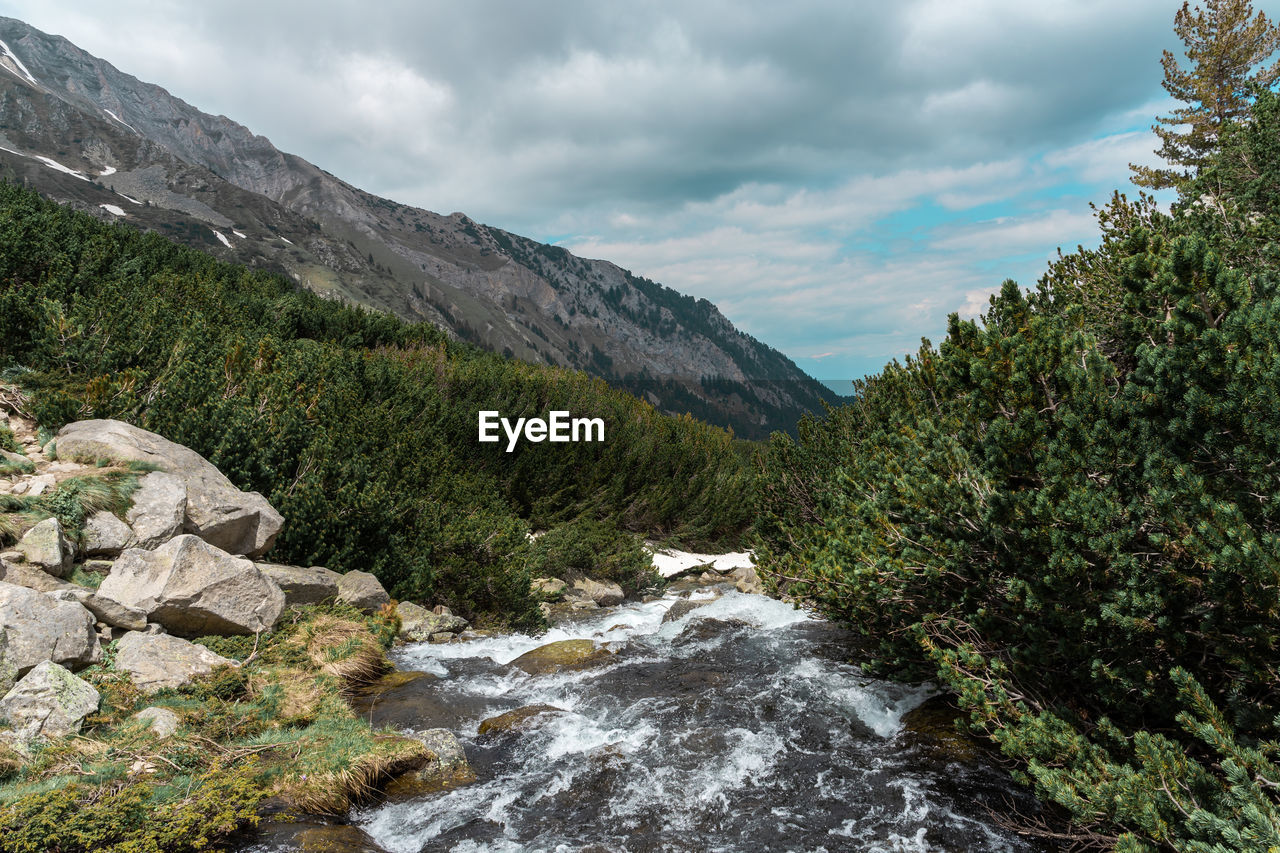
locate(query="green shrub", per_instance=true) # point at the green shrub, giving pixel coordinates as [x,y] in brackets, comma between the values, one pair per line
[595,549]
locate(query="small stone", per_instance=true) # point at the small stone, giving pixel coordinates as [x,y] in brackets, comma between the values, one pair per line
[162,722]
[12,557]
[441,637]
[37,486]
[449,756]
[745,579]
[418,623]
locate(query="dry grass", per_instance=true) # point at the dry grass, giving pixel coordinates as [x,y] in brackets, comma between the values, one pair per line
[343,649]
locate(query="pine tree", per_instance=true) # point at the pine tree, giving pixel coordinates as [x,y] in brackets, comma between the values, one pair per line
[1228,46]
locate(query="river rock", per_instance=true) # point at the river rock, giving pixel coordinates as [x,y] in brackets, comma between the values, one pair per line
[418,624]
[683,607]
[301,586]
[38,628]
[156,661]
[548,587]
[235,521]
[46,546]
[745,579]
[106,536]
[193,589]
[47,702]
[603,593]
[106,610]
[161,721]
[562,654]
[518,720]
[362,591]
[448,757]
[159,509]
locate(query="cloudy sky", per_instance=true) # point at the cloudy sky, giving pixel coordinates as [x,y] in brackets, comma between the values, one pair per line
[837,176]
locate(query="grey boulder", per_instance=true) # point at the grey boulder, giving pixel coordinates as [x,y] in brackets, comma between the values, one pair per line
[105,610]
[418,623]
[106,535]
[37,628]
[161,721]
[362,591]
[46,546]
[159,510]
[603,593]
[154,661]
[235,521]
[193,589]
[47,702]
[303,586]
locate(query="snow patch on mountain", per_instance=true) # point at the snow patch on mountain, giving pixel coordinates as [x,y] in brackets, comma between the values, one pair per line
[122,121]
[16,61]
[127,198]
[112,209]
[56,166]
[110,170]
[238,234]
[222,237]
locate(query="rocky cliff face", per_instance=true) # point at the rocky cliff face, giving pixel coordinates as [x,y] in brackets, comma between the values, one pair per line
[85,134]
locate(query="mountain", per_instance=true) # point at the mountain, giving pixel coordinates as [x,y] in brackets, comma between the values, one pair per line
[89,136]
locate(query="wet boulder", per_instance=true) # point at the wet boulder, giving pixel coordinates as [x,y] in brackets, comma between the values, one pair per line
[519,720]
[300,586]
[447,759]
[160,660]
[683,607]
[562,655]
[194,589]
[47,546]
[48,702]
[38,628]
[216,511]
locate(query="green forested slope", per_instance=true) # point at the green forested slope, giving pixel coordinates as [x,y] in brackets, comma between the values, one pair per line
[359,428]
[1069,514]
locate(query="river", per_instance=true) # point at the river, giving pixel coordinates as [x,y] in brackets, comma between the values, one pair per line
[739,726]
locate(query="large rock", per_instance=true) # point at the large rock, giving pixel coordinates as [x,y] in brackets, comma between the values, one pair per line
[417,624]
[46,546]
[562,654]
[745,579]
[603,593]
[49,701]
[193,589]
[104,609]
[8,672]
[37,628]
[24,574]
[235,521]
[160,660]
[362,591]
[159,510]
[548,587]
[106,536]
[303,586]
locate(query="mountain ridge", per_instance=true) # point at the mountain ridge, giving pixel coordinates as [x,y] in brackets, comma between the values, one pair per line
[129,149]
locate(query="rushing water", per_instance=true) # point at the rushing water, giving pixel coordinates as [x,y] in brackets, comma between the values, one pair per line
[737,726]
